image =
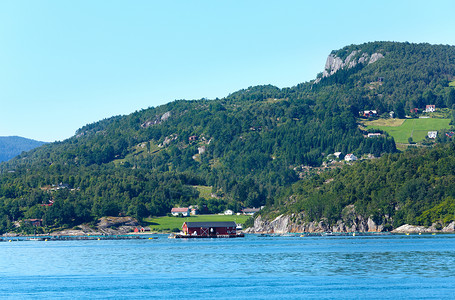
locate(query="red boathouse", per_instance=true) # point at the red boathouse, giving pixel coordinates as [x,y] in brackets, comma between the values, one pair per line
[207,229]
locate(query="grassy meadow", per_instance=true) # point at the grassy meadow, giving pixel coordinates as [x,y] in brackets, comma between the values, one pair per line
[402,129]
[204,191]
[167,224]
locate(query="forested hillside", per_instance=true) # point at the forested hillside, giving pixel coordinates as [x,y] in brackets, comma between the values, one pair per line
[414,187]
[10,146]
[246,146]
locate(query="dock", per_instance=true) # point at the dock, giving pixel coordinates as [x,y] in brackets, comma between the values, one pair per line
[46,238]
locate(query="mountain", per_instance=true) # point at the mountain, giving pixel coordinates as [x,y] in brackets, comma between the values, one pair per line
[11,146]
[250,148]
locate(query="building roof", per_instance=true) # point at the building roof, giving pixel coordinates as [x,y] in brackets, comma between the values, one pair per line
[179,209]
[209,224]
[250,210]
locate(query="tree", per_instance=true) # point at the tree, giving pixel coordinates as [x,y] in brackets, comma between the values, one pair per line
[399,110]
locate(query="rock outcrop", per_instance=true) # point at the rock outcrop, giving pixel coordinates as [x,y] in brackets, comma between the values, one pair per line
[106,225]
[422,229]
[335,63]
[293,223]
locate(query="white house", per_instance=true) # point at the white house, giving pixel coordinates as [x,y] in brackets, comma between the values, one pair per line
[430,108]
[228,212]
[337,154]
[184,211]
[350,157]
[432,134]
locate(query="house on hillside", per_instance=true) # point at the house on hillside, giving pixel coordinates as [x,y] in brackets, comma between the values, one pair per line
[350,157]
[228,212]
[184,211]
[193,210]
[370,113]
[430,108]
[414,110]
[192,138]
[432,134]
[450,134]
[250,211]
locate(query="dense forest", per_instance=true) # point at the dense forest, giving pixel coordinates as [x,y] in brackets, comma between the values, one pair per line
[246,146]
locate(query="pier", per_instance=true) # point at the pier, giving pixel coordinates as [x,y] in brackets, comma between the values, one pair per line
[46,238]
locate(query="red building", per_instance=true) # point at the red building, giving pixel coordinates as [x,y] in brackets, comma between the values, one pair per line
[209,228]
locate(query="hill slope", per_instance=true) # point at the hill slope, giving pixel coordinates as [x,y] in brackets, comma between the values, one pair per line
[11,146]
[246,146]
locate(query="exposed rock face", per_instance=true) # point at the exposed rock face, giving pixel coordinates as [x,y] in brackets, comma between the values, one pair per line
[375,57]
[449,228]
[421,229]
[335,63]
[294,223]
[117,225]
[350,223]
[106,225]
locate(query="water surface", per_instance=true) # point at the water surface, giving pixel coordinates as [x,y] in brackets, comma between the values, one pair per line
[385,267]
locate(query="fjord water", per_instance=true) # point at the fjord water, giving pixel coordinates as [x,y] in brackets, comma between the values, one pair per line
[385,267]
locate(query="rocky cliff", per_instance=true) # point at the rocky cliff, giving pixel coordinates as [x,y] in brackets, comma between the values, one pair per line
[293,224]
[335,63]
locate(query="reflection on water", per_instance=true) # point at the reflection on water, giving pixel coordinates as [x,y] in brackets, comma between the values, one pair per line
[252,267]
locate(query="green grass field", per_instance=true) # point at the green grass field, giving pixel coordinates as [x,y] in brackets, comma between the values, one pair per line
[415,128]
[452,83]
[166,224]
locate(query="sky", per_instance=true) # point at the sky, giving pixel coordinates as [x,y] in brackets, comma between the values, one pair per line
[65,64]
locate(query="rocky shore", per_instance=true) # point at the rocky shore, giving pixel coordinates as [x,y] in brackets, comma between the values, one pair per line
[294,224]
[450,228]
[105,226]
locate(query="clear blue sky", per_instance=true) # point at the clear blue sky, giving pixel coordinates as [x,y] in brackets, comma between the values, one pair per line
[64,64]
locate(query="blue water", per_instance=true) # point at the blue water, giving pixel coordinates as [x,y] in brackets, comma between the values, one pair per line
[386,267]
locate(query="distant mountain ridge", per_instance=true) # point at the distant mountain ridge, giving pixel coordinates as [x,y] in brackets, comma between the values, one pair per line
[11,146]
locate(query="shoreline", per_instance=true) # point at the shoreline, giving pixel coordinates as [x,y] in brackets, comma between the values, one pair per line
[152,236]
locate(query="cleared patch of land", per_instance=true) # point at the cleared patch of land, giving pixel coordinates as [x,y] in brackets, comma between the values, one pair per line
[452,83]
[204,191]
[168,224]
[141,151]
[384,122]
[415,128]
